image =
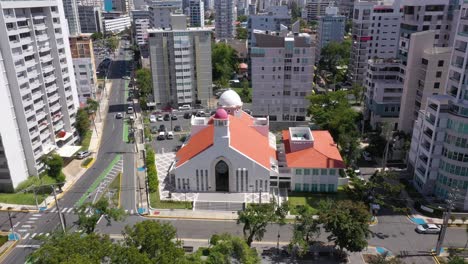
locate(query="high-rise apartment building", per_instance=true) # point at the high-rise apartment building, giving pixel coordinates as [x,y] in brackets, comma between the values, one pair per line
[375,34]
[85,69]
[331,28]
[91,20]
[282,75]
[141,23]
[197,13]
[439,146]
[314,9]
[160,12]
[425,75]
[71,13]
[38,97]
[225,18]
[180,65]
[271,20]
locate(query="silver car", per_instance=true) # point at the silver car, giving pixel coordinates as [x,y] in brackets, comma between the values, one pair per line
[428,229]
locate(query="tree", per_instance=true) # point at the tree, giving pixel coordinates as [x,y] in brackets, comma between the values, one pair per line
[256,218]
[242,18]
[84,249]
[295,10]
[54,164]
[241,33]
[332,56]
[224,61]
[306,228]
[87,221]
[226,248]
[357,91]
[91,105]
[456,260]
[112,43]
[145,85]
[155,239]
[347,222]
[82,122]
[97,35]
[245,92]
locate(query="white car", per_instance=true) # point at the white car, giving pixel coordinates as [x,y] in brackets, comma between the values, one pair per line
[126,77]
[83,154]
[185,107]
[152,119]
[159,118]
[428,229]
[170,135]
[161,135]
[366,155]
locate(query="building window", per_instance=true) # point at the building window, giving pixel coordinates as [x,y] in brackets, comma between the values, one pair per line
[188,184]
[297,187]
[201,173]
[323,171]
[206,180]
[242,180]
[438,74]
[198,183]
[246,181]
[178,184]
[261,185]
[440,63]
[314,188]
[237,180]
[315,171]
[306,187]
[298,171]
[266,185]
[256,185]
[323,187]
[331,188]
[306,171]
[332,171]
[436,85]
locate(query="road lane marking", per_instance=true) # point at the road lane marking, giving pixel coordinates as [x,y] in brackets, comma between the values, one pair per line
[33,235]
[30,222]
[70,210]
[26,225]
[63,210]
[37,214]
[26,236]
[53,210]
[23,230]
[33,218]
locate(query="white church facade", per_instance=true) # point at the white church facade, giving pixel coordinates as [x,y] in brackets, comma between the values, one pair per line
[233,152]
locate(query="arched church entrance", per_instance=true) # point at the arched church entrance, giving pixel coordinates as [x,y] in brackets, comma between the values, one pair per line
[222,176]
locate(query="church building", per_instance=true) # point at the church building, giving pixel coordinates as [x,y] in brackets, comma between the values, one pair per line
[233,152]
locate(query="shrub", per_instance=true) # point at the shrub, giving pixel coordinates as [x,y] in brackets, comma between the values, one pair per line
[86,162]
[151,172]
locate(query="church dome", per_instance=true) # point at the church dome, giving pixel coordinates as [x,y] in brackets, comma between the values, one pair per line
[221,114]
[229,99]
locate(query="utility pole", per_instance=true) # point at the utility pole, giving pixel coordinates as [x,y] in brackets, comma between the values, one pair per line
[58,209]
[452,198]
[11,222]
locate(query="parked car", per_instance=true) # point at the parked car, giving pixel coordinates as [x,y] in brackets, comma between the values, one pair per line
[187,115]
[159,118]
[154,130]
[177,128]
[185,107]
[170,135]
[161,136]
[83,154]
[130,110]
[152,119]
[201,113]
[428,229]
[119,116]
[366,155]
[162,128]
[174,117]
[167,117]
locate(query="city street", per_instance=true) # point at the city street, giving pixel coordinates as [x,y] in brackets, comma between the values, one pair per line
[111,145]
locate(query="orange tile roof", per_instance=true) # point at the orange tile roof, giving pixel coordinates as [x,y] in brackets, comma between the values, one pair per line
[243,138]
[323,154]
[196,144]
[249,141]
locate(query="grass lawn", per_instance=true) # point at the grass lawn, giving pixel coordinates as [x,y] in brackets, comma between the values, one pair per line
[3,240]
[157,203]
[86,140]
[125,132]
[115,187]
[312,199]
[21,198]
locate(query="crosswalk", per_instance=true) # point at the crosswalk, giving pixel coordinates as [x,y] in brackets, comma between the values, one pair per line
[71,210]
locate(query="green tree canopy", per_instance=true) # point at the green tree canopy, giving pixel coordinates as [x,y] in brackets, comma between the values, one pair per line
[87,221]
[226,249]
[82,122]
[224,61]
[306,229]
[145,85]
[256,218]
[332,56]
[155,239]
[97,35]
[347,222]
[241,33]
[242,18]
[91,105]
[54,164]
[112,43]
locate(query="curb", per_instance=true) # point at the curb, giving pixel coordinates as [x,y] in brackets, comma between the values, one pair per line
[8,250]
[187,218]
[89,164]
[435,258]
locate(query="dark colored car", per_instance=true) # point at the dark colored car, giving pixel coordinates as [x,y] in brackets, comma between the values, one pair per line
[187,115]
[167,117]
[174,117]
[162,128]
[154,130]
[177,128]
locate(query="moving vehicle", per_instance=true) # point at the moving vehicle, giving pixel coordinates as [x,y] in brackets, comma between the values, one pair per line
[170,135]
[152,119]
[83,154]
[130,110]
[126,77]
[200,113]
[119,116]
[161,136]
[185,107]
[428,229]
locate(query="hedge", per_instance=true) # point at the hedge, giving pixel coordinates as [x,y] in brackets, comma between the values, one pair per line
[151,172]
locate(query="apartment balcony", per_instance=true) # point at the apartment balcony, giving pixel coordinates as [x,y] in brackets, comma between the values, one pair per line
[40,114]
[57,25]
[41,26]
[463,33]
[37,95]
[54,98]
[25,41]
[36,143]
[29,113]
[430,120]
[50,78]
[428,134]
[421,171]
[39,105]
[55,107]
[51,89]
[45,135]
[34,84]
[24,91]
[31,123]
[44,48]
[23,29]
[15,43]
[48,69]
[10,18]
[455,79]
[46,58]
[59,126]
[27,102]
[42,37]
[424,159]
[28,52]
[34,133]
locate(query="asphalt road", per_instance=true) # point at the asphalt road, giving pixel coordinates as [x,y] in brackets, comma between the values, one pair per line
[111,145]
